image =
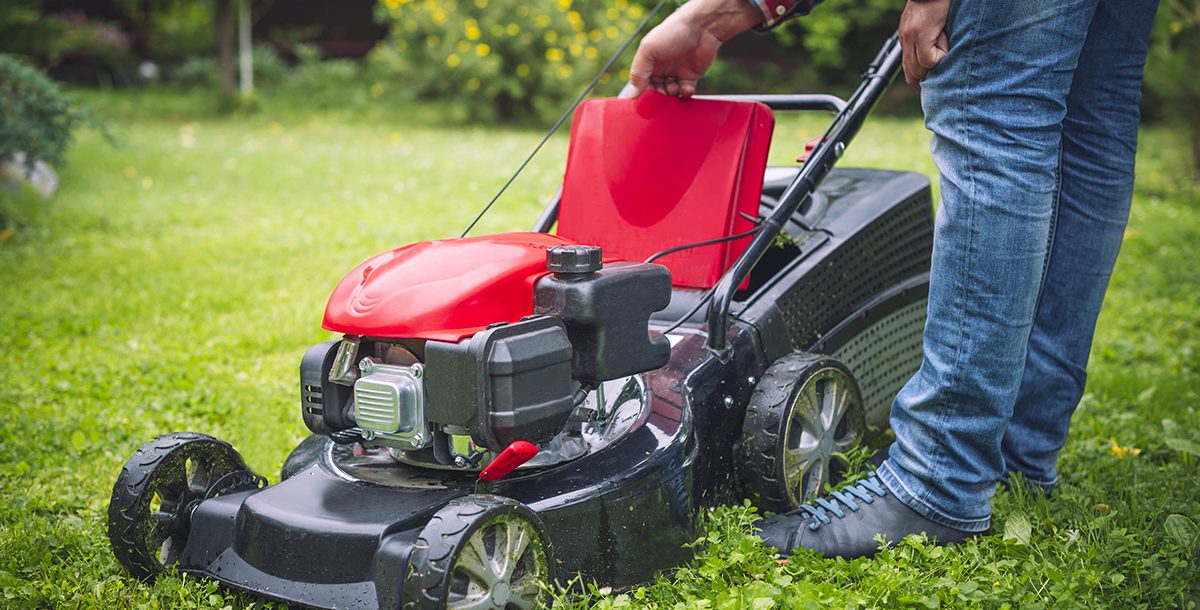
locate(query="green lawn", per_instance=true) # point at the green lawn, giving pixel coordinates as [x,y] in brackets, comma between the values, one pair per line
[175,281]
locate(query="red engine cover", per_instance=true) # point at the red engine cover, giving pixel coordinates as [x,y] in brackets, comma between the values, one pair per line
[442,290]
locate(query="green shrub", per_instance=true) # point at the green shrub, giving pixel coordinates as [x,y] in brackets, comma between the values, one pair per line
[1171,67]
[501,59]
[201,70]
[36,118]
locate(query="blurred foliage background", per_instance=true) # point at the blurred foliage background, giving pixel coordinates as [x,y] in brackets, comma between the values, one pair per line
[485,60]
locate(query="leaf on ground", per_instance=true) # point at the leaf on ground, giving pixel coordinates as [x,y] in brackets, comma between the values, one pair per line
[78,441]
[1184,445]
[1182,529]
[1146,394]
[1018,528]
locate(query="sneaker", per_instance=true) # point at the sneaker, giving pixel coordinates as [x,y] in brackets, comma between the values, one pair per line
[846,522]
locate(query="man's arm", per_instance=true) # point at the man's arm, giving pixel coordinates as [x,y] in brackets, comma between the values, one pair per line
[673,56]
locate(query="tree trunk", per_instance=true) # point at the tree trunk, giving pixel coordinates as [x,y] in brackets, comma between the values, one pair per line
[225,20]
[1196,147]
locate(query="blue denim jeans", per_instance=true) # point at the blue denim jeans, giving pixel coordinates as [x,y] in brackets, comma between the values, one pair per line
[1034,114]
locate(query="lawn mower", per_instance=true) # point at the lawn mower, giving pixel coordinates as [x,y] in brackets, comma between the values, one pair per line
[502,413]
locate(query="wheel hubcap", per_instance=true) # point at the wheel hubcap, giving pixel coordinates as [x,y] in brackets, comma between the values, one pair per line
[817,428]
[502,565]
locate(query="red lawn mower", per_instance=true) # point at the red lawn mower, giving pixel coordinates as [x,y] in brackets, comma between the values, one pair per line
[505,412]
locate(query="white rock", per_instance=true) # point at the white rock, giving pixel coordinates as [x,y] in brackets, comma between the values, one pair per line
[40,177]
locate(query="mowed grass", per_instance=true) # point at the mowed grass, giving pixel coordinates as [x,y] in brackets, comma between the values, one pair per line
[175,281]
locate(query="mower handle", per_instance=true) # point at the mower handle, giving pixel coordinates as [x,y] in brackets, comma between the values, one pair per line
[850,117]
[807,101]
[878,76]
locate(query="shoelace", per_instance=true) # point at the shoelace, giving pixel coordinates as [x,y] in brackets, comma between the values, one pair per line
[862,491]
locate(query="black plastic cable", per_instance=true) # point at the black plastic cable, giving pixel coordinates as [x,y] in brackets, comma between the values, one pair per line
[687,316]
[709,242]
[562,119]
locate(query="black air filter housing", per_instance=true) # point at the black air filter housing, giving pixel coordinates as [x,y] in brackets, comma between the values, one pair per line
[506,383]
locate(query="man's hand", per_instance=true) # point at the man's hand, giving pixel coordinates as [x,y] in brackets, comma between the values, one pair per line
[673,56]
[923,38]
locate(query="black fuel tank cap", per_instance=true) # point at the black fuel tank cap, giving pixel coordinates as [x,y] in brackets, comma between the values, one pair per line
[573,259]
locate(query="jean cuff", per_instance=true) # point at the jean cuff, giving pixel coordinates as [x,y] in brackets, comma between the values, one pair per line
[905,494]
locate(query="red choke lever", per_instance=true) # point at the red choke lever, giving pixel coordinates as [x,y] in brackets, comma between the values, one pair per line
[513,455]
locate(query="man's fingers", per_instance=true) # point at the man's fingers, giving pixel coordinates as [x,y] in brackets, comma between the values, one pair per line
[913,72]
[928,54]
[640,69]
[687,88]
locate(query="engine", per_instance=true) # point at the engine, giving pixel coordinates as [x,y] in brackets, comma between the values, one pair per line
[448,402]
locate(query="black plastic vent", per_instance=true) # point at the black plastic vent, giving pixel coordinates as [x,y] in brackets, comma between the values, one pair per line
[892,249]
[884,356]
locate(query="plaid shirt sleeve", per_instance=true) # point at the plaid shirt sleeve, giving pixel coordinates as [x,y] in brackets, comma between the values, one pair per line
[775,12]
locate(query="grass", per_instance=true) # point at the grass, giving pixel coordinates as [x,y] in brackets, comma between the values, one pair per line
[175,281]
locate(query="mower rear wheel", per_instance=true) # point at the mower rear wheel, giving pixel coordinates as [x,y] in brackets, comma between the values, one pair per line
[480,551]
[805,413]
[149,515]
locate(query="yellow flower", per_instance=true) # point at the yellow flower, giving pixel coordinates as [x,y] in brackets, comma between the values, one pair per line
[551,36]
[564,4]
[439,16]
[453,60]
[576,50]
[481,3]
[613,13]
[635,11]
[612,31]
[392,3]
[591,53]
[594,35]
[463,46]
[1120,451]
[555,54]
[512,29]
[522,70]
[542,21]
[482,49]
[564,71]
[496,29]
[1176,27]
[472,31]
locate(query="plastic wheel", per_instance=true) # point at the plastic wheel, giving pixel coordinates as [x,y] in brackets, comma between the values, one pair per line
[805,411]
[149,516]
[480,551]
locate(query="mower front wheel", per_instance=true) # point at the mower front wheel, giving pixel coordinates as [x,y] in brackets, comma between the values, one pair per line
[149,515]
[805,412]
[480,551]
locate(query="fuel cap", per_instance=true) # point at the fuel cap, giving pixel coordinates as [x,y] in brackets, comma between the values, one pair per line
[573,259]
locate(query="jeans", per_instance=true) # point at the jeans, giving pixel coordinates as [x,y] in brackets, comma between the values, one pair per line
[1034,114]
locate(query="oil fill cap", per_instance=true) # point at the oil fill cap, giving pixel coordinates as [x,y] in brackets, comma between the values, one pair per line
[573,259]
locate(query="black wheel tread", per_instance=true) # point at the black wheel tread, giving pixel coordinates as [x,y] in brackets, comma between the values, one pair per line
[433,555]
[125,507]
[758,470]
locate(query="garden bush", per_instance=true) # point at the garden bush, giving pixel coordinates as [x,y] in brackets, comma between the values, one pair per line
[501,59]
[1172,64]
[36,117]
